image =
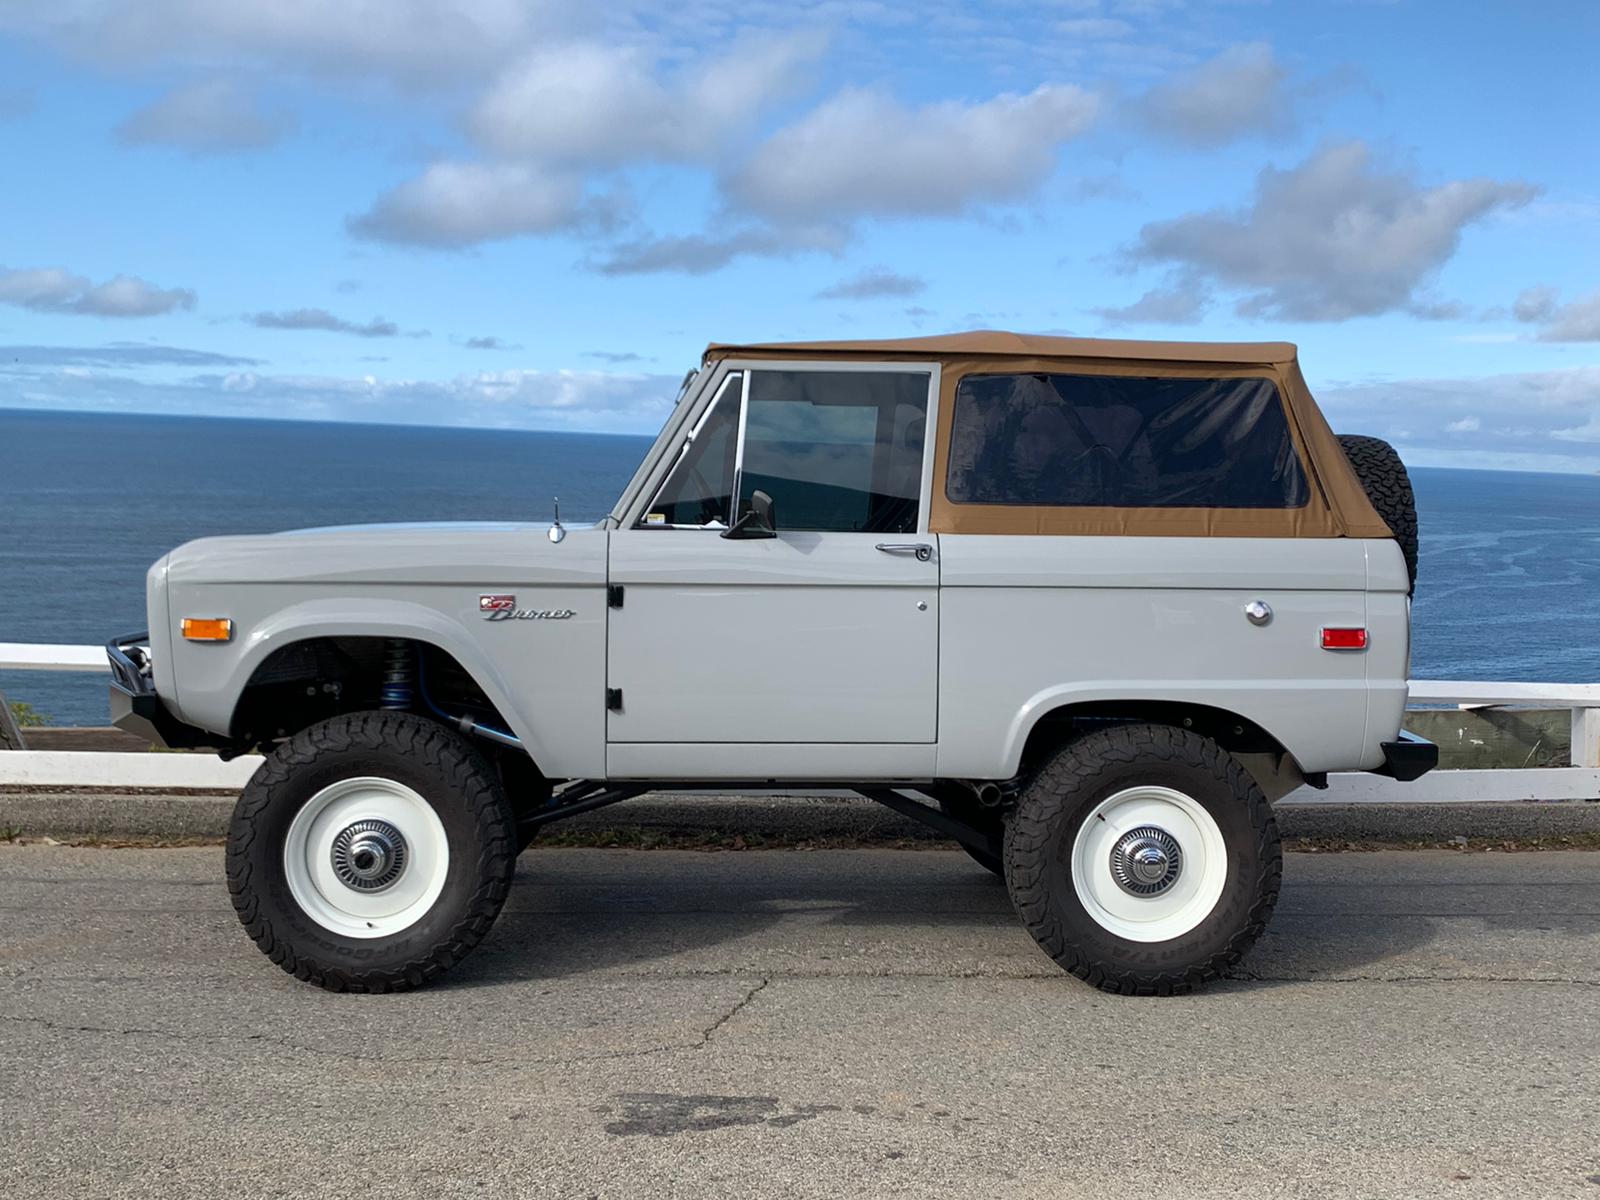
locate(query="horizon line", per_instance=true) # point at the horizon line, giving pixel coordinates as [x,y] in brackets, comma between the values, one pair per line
[606,433]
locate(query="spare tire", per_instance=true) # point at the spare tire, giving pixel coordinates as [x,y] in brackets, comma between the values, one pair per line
[1388,486]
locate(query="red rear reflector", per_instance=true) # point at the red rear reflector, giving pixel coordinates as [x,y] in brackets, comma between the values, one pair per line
[1344,639]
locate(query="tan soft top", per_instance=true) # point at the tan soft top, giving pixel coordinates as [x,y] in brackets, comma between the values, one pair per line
[1338,505]
[979,342]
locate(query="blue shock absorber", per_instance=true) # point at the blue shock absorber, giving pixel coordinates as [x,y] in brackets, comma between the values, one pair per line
[399,663]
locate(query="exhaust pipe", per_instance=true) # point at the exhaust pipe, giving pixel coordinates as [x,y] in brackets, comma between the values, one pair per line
[988,793]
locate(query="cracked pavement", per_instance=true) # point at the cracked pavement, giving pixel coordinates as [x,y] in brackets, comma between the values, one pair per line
[786,1023]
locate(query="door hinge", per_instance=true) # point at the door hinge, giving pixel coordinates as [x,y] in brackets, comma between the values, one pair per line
[614,699]
[614,595]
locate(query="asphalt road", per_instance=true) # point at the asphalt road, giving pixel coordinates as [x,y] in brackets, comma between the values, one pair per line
[782,1023]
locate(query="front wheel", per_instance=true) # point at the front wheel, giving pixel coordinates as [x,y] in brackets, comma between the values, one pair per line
[371,852]
[1143,859]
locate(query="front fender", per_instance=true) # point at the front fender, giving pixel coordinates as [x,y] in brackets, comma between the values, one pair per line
[213,677]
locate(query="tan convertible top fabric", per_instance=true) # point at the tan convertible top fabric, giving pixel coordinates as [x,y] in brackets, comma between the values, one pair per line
[1031,345]
[1338,505]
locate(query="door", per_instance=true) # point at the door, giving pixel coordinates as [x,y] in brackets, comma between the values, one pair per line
[824,634]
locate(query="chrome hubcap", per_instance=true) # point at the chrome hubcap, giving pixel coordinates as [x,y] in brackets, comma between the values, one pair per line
[1146,861]
[369,855]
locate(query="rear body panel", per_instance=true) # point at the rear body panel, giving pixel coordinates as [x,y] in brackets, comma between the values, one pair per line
[1033,623]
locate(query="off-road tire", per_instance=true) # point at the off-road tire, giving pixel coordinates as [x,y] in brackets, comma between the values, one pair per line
[456,781]
[1384,478]
[969,811]
[1038,854]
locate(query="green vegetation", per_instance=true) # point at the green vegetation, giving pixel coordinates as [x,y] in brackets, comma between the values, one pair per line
[27,716]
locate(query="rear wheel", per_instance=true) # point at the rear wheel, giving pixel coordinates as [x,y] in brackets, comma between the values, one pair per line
[1143,859]
[371,852]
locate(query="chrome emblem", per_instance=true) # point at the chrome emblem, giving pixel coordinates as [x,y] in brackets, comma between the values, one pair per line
[504,608]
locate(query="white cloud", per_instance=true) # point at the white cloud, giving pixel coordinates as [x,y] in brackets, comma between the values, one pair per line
[513,399]
[214,116]
[1093,28]
[53,289]
[454,204]
[1241,91]
[406,41]
[863,153]
[699,254]
[608,105]
[1332,238]
[874,283]
[1535,303]
[1182,302]
[1576,321]
[117,354]
[323,320]
[1537,420]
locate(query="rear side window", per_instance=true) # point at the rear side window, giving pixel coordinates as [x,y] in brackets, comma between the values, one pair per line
[1119,441]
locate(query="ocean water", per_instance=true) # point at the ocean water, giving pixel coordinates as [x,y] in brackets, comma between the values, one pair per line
[1508,587]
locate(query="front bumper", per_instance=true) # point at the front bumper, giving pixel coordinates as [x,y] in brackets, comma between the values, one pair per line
[135,707]
[1410,757]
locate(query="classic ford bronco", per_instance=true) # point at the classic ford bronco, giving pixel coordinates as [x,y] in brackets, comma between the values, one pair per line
[1087,607]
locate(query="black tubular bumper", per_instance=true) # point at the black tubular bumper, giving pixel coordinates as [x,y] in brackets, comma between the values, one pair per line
[135,707]
[1408,758]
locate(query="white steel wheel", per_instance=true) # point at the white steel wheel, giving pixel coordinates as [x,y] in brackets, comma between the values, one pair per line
[1149,864]
[366,857]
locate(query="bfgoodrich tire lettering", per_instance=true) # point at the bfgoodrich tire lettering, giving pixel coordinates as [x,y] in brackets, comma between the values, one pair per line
[433,762]
[1043,831]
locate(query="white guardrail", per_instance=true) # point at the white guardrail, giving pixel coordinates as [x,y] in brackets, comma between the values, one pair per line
[1581,781]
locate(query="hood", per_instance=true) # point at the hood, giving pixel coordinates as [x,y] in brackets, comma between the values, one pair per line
[445,553]
[410,526]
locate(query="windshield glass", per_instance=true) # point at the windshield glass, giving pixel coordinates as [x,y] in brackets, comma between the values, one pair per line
[699,489]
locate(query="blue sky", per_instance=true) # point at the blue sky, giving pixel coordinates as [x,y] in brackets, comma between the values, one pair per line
[496,213]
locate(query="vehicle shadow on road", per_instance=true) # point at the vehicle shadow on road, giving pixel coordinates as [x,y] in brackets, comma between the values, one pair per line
[864,912]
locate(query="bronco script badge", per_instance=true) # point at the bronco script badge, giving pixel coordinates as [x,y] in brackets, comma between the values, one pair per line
[504,608]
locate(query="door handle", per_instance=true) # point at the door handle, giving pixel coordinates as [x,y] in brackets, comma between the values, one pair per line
[921,550]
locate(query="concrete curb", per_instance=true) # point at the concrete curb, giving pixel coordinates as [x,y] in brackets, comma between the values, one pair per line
[160,816]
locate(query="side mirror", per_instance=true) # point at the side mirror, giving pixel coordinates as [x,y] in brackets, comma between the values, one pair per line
[756,521]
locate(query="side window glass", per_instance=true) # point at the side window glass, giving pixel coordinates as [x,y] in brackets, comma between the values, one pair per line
[836,450]
[1118,441]
[697,490]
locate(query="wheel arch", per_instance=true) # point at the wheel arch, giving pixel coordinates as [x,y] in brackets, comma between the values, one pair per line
[325,623]
[1047,725]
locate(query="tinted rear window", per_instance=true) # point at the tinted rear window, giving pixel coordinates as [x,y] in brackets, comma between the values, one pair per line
[1122,442]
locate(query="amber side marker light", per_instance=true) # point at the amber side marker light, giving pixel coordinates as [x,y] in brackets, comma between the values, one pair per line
[208,629]
[1344,639]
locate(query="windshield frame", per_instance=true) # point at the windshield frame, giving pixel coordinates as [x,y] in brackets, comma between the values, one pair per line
[663,454]
[673,432]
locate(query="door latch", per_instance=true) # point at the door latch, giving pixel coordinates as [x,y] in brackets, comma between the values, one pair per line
[920,550]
